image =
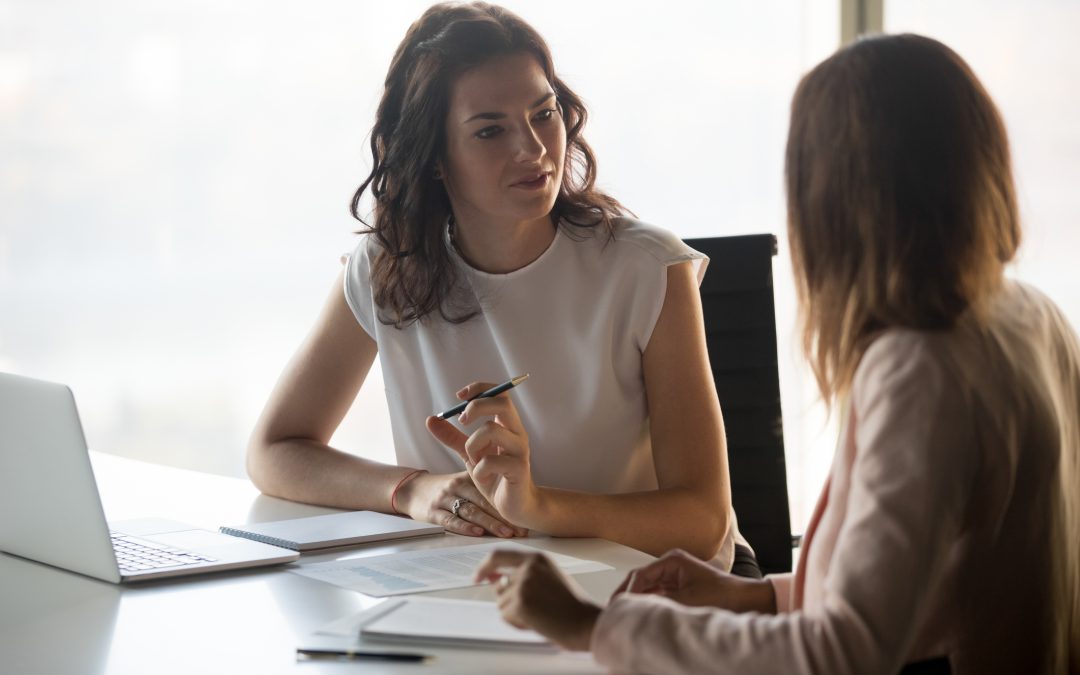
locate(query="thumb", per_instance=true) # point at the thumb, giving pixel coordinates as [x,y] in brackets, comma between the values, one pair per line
[449,435]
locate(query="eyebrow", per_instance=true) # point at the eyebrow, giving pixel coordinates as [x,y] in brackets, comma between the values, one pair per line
[498,115]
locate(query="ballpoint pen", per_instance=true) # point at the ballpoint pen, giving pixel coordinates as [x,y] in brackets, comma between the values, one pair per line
[494,391]
[356,654]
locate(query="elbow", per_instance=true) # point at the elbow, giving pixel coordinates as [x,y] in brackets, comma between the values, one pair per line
[714,532]
[256,462]
[710,529]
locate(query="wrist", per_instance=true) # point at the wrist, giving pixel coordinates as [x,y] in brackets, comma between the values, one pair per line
[401,498]
[536,514]
[584,627]
[764,599]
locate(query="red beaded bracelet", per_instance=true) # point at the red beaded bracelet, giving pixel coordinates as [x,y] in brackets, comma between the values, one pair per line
[393,495]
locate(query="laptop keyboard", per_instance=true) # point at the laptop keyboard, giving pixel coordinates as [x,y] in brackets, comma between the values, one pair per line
[139,555]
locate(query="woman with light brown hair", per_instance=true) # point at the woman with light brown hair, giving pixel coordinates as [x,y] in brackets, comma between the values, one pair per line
[946,536]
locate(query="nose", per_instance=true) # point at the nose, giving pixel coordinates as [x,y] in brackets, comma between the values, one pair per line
[530,146]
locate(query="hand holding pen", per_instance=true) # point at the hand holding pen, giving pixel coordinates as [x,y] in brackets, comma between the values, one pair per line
[453,500]
[496,454]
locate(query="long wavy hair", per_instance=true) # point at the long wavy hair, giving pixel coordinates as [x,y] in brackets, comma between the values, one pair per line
[412,273]
[902,213]
[901,205]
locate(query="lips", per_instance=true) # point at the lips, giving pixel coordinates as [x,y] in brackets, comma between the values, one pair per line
[533,181]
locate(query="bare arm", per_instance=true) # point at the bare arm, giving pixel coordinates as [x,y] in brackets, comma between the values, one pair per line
[288,454]
[689,510]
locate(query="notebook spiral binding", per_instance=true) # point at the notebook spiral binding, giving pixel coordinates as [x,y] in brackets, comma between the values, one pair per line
[262,538]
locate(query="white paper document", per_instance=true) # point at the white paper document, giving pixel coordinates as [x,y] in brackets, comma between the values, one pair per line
[437,622]
[426,570]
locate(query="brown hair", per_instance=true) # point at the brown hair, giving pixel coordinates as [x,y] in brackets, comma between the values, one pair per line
[412,273]
[901,206]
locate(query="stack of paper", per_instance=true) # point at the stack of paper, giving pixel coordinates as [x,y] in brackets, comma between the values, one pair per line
[426,570]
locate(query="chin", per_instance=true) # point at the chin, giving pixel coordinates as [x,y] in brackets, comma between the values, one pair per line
[520,212]
[540,208]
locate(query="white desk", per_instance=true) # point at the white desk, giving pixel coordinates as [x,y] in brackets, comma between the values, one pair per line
[53,621]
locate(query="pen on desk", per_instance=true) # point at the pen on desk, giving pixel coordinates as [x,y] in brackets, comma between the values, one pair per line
[351,654]
[494,391]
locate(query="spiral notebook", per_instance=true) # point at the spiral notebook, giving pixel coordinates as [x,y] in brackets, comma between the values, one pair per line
[335,529]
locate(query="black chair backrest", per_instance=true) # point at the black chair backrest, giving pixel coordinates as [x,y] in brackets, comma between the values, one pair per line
[740,327]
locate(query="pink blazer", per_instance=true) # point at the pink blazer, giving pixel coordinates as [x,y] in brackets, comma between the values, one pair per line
[948,525]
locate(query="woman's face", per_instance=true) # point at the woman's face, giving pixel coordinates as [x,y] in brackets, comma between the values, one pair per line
[505,143]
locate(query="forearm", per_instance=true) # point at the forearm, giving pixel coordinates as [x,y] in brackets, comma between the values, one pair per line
[654,522]
[650,633]
[306,471]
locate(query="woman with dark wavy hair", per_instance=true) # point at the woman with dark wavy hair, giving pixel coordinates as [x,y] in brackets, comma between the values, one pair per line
[490,253]
[946,536]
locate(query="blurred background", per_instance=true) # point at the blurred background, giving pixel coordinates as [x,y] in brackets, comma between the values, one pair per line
[175,176]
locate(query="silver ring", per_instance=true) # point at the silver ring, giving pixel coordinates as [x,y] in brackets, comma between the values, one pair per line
[504,582]
[458,503]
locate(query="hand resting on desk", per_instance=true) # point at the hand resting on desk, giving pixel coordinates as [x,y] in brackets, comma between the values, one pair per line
[534,593]
[694,582]
[429,498]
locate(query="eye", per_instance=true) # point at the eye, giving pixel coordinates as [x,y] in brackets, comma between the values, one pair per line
[546,114]
[489,132]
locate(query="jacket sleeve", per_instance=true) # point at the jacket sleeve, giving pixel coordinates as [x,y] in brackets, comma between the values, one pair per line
[911,479]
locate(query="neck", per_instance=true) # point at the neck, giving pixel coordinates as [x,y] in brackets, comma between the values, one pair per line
[501,247]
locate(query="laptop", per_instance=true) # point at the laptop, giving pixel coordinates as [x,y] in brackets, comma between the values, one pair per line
[50,509]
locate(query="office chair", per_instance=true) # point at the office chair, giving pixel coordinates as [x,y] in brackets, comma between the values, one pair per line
[740,329]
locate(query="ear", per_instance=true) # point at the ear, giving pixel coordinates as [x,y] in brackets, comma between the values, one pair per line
[438,173]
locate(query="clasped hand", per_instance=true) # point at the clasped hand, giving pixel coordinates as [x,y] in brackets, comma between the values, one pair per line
[496,454]
[431,497]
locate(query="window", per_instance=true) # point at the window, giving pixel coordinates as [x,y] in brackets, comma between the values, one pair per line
[1026,56]
[173,196]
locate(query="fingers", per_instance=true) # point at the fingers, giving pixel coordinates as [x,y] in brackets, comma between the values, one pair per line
[666,574]
[493,439]
[506,467]
[643,579]
[469,491]
[474,510]
[449,435]
[473,389]
[536,594]
[508,600]
[474,514]
[499,407]
[509,604]
[458,525]
[493,566]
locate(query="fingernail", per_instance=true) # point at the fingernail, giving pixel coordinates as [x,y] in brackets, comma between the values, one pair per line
[506,532]
[461,392]
[477,530]
[463,418]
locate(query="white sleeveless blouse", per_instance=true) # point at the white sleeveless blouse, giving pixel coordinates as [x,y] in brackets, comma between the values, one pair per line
[577,320]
